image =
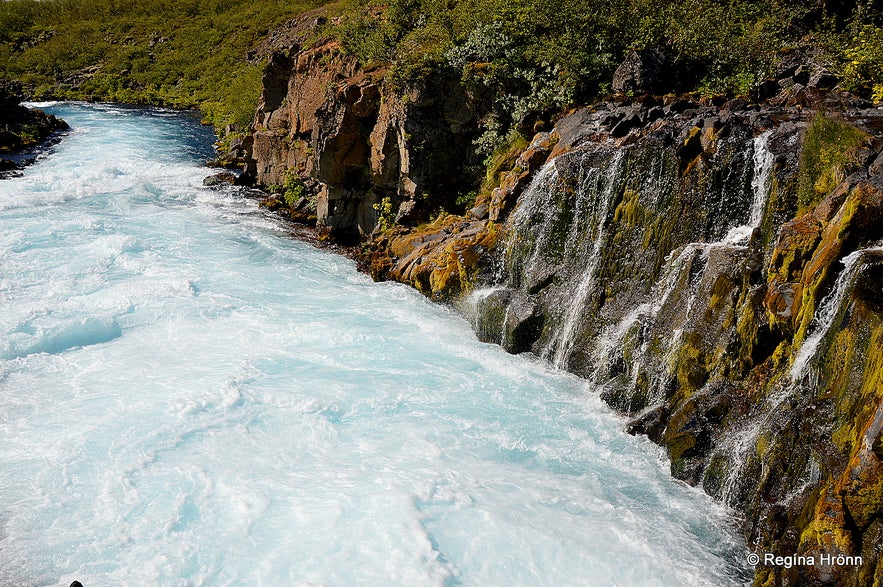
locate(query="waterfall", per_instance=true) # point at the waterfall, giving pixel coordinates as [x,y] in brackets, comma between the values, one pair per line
[563,228]
[531,212]
[830,308]
[738,449]
[560,348]
[612,340]
[761,183]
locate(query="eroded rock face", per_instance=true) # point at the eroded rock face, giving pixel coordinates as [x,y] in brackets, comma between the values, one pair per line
[370,149]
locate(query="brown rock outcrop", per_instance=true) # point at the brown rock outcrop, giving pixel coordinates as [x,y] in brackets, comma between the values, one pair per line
[368,147]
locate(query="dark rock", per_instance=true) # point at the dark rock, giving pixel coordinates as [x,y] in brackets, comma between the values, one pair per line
[869,289]
[650,423]
[759,120]
[333,122]
[877,445]
[735,105]
[876,168]
[490,312]
[641,72]
[821,79]
[273,203]
[540,280]
[801,75]
[245,179]
[655,113]
[610,120]
[23,128]
[625,125]
[219,179]
[767,89]
[522,324]
[648,101]
[575,128]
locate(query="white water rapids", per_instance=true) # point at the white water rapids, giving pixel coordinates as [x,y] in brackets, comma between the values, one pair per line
[190,397]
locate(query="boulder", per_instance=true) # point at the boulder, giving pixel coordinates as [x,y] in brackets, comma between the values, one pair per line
[219,179]
[641,72]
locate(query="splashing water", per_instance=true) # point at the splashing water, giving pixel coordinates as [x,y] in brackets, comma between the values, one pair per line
[190,398]
[761,184]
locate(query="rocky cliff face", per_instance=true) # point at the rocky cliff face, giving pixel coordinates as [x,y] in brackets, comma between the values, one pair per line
[717,270]
[361,147]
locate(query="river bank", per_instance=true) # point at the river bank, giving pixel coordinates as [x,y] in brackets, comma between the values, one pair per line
[711,265]
[23,130]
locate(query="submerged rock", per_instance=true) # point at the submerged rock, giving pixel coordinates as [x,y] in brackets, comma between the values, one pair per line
[220,179]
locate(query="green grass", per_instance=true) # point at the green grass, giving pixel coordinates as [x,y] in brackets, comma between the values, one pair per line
[828,153]
[179,53]
[517,59]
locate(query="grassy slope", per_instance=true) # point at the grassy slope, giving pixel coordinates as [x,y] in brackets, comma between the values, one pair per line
[181,53]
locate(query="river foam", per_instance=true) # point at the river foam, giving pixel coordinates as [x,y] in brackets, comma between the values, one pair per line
[191,398]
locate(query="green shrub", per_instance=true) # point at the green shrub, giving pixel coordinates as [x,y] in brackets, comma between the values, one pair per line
[385,215]
[863,69]
[293,189]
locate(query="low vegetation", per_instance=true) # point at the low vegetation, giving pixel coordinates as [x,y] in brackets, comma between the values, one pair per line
[526,59]
[829,152]
[531,58]
[186,54]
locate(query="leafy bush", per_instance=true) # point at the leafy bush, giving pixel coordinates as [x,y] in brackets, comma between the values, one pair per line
[525,58]
[385,216]
[863,57]
[293,188]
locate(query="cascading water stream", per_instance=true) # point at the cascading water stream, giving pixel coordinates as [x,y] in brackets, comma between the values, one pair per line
[677,262]
[761,184]
[675,273]
[191,398]
[831,307]
[600,208]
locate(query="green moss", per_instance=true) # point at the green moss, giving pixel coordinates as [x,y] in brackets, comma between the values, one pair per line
[692,365]
[829,152]
[830,244]
[503,160]
[629,210]
[720,292]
